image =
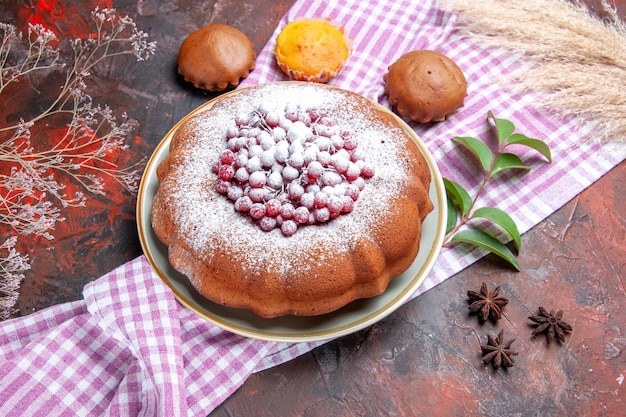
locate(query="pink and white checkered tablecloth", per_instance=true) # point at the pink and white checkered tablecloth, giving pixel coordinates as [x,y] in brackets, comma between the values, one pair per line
[130,349]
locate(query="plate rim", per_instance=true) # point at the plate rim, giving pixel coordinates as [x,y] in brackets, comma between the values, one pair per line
[143,216]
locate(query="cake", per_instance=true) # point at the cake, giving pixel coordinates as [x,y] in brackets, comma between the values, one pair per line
[335,254]
[216,57]
[311,50]
[425,86]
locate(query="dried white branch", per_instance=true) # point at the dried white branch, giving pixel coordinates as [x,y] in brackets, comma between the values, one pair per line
[30,179]
[12,267]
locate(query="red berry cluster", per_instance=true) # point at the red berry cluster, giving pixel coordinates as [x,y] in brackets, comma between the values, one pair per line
[290,168]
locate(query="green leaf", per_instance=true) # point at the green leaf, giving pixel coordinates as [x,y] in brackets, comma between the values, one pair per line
[459,196]
[505,128]
[536,144]
[506,161]
[453,215]
[478,148]
[503,220]
[483,240]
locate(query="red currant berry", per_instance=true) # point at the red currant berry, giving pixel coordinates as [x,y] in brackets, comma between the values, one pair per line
[272,207]
[243,204]
[222,186]
[227,157]
[226,172]
[301,215]
[267,223]
[321,214]
[289,227]
[257,211]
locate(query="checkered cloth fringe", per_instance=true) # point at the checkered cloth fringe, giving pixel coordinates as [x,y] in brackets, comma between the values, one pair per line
[129,349]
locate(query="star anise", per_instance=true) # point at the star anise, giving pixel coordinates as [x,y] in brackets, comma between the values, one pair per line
[487,304]
[497,351]
[550,323]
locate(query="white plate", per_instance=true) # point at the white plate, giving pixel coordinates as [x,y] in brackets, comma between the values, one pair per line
[353,317]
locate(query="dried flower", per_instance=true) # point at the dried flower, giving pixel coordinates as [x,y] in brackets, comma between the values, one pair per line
[497,351]
[551,324]
[39,52]
[12,265]
[83,148]
[487,304]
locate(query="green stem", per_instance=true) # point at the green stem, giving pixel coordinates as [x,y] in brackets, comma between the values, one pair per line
[467,217]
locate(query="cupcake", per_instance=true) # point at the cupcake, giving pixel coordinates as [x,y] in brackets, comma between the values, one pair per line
[216,57]
[425,86]
[311,50]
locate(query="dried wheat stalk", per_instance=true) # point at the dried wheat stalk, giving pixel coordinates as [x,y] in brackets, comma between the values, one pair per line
[575,59]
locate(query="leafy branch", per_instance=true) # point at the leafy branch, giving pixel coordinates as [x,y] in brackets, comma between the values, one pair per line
[462,208]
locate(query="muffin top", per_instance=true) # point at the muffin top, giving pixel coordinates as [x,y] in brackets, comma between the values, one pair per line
[216,57]
[425,86]
[311,50]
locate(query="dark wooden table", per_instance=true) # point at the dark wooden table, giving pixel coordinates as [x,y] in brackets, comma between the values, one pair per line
[425,358]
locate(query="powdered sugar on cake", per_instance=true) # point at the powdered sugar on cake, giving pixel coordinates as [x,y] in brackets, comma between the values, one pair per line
[205,216]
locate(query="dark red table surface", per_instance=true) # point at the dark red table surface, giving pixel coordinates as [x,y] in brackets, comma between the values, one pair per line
[425,358]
